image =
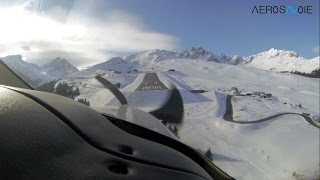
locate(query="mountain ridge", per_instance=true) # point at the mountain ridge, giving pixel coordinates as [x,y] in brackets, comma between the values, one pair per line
[58,68]
[272,59]
[36,75]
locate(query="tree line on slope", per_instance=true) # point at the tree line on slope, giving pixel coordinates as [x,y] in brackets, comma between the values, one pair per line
[84,101]
[47,87]
[63,89]
[314,74]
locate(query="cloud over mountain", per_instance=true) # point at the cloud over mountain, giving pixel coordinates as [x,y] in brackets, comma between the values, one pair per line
[81,39]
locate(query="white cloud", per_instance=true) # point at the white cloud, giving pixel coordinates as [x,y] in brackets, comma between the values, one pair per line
[316,50]
[83,40]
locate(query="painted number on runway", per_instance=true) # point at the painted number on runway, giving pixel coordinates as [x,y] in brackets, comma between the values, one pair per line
[151,88]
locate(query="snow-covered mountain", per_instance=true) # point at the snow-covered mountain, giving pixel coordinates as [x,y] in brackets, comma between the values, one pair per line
[273,59]
[151,58]
[36,75]
[201,53]
[30,72]
[281,60]
[58,68]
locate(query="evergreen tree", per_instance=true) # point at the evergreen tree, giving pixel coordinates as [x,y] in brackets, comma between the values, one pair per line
[175,131]
[47,87]
[314,74]
[76,92]
[84,101]
[64,89]
[208,154]
[170,128]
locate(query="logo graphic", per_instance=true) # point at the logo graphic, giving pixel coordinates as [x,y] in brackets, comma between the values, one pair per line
[288,10]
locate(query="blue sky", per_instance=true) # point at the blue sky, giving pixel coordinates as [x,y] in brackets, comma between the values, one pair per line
[229,26]
[87,32]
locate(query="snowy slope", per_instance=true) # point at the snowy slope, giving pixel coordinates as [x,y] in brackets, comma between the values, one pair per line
[258,151]
[284,148]
[281,60]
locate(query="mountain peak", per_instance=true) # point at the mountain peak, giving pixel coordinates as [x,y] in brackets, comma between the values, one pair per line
[58,68]
[273,52]
[281,60]
[16,57]
[59,60]
[198,49]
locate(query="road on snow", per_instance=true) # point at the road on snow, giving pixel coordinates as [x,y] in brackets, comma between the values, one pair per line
[228,116]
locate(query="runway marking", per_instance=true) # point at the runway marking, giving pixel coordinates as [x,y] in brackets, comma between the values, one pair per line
[151,82]
[151,88]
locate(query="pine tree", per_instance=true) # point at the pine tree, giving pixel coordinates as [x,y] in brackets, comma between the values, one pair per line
[64,89]
[314,74]
[164,122]
[47,87]
[84,101]
[75,93]
[208,154]
[175,131]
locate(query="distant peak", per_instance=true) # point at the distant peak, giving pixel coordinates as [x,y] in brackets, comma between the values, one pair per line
[59,59]
[273,49]
[198,49]
[59,62]
[15,56]
[157,51]
[273,52]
